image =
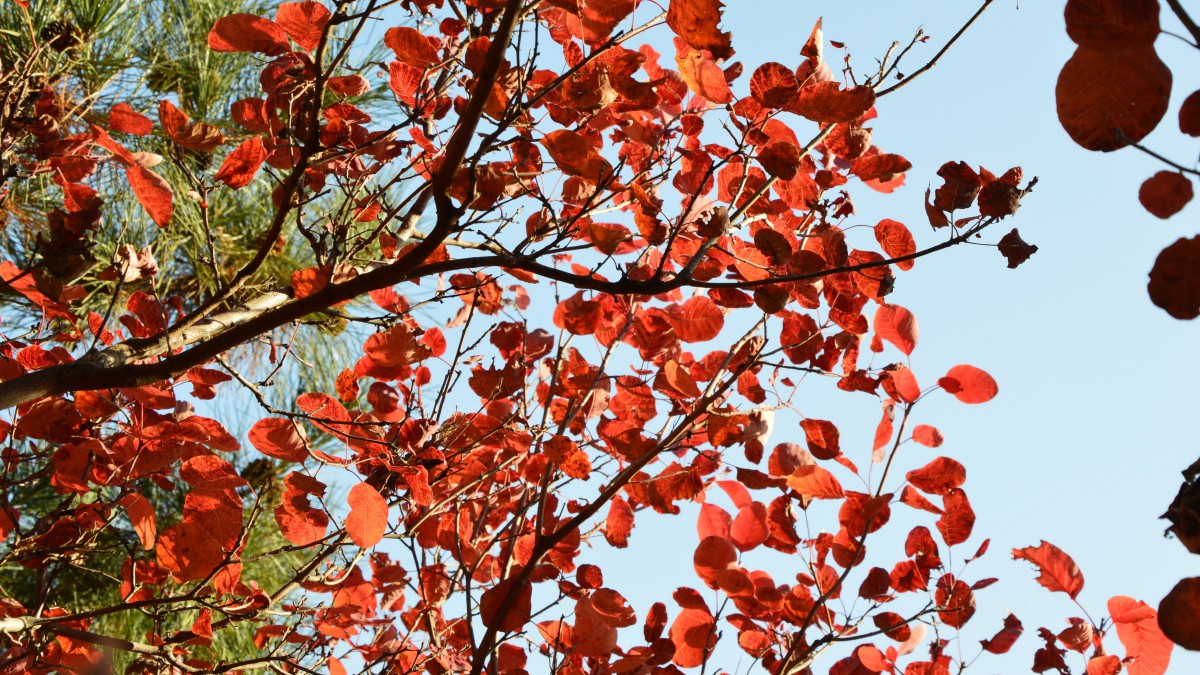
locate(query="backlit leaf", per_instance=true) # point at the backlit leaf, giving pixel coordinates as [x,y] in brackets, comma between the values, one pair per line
[1137,628]
[1175,279]
[367,520]
[898,326]
[698,23]
[304,22]
[1058,572]
[239,166]
[969,384]
[247,33]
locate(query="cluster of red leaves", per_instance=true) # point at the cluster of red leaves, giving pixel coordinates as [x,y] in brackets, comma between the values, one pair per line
[491,487]
[1147,649]
[1112,93]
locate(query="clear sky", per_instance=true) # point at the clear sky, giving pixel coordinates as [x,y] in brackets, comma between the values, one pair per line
[1095,417]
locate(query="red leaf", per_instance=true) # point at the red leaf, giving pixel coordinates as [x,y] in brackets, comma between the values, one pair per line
[1107,100]
[1058,571]
[1104,665]
[938,477]
[692,632]
[1137,628]
[1175,279]
[884,431]
[515,615]
[1015,249]
[816,482]
[713,555]
[701,74]
[713,521]
[619,522]
[918,501]
[247,33]
[749,528]
[956,523]
[1165,193]
[239,166]
[152,192]
[896,241]
[310,280]
[828,103]
[1178,611]
[957,601]
[1189,114]
[698,23]
[969,384]
[304,22]
[411,47]
[567,456]
[928,436]
[898,326]
[279,438]
[774,85]
[1112,25]
[141,515]
[574,156]
[210,473]
[367,520]
[126,120]
[822,437]
[696,320]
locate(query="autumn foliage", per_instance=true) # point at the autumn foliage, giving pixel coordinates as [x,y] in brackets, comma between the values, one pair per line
[581,283]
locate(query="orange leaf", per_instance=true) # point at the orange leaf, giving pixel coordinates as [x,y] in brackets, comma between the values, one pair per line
[367,520]
[1058,571]
[239,167]
[969,384]
[1109,100]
